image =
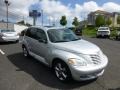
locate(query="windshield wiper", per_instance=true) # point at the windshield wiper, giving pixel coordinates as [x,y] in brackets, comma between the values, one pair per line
[61,41]
[76,39]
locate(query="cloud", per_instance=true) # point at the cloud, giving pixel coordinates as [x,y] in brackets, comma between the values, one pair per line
[90,6]
[54,9]
[111,7]
[17,8]
[21,6]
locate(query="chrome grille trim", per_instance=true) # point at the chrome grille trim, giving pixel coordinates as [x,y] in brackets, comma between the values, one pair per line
[95,59]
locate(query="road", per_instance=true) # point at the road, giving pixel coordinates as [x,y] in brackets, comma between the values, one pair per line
[20,73]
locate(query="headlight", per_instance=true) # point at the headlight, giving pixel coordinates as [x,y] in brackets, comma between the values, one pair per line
[77,62]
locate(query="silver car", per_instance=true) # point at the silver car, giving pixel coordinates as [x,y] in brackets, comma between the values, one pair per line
[68,55]
[8,35]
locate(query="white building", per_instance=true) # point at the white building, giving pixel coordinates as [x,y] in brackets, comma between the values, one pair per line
[17,27]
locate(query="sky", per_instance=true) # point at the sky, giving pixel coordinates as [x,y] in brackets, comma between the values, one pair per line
[54,9]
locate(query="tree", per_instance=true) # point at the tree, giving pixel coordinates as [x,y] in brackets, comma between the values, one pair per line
[118,19]
[109,21]
[63,21]
[75,22]
[100,21]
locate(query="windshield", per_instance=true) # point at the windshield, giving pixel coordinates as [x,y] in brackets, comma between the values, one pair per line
[61,35]
[103,31]
[104,28]
[7,31]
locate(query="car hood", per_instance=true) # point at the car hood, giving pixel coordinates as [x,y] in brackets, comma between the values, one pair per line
[79,46]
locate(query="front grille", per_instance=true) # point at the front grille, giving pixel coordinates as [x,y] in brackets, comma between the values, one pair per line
[96,59]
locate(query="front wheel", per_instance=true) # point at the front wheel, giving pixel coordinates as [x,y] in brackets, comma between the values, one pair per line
[62,71]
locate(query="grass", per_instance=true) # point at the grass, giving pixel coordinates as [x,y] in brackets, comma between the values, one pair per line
[89,32]
[113,34]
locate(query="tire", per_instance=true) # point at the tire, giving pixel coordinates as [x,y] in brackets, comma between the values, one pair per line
[108,37]
[116,37]
[25,52]
[97,36]
[62,71]
[16,41]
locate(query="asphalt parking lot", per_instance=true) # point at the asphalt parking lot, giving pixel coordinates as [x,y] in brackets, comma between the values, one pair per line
[20,73]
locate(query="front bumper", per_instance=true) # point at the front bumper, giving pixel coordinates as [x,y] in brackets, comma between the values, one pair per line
[102,35]
[7,39]
[90,72]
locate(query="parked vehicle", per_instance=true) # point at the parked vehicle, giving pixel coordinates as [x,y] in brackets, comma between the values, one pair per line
[8,35]
[118,34]
[103,32]
[68,55]
[78,31]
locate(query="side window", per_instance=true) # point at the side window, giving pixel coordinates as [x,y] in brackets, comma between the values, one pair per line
[31,32]
[23,32]
[41,34]
[28,32]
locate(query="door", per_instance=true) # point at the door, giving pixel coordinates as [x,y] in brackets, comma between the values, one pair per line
[30,38]
[42,48]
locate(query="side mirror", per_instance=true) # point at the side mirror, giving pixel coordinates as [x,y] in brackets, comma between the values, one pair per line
[42,41]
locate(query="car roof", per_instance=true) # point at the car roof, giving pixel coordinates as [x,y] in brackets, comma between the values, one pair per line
[103,27]
[46,28]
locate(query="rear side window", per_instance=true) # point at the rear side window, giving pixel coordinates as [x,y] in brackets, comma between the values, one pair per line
[104,28]
[22,33]
[31,32]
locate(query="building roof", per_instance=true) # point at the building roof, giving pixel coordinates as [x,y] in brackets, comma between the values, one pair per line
[100,12]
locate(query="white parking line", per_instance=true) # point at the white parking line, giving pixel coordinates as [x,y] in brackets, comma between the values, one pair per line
[2,52]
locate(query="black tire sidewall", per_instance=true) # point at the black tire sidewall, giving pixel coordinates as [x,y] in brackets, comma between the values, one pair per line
[27,55]
[67,69]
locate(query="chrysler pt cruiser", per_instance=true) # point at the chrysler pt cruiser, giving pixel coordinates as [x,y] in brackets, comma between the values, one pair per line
[68,55]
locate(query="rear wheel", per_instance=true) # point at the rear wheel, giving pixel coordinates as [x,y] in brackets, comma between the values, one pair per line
[108,37]
[25,52]
[97,36]
[16,41]
[116,37]
[62,71]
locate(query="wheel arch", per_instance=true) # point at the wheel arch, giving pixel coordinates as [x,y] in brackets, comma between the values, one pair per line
[56,60]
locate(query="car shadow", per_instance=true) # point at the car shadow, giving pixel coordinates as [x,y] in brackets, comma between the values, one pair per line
[114,89]
[7,43]
[42,73]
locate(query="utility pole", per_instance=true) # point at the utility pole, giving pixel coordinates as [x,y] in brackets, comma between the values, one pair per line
[34,21]
[42,21]
[7,4]
[42,17]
